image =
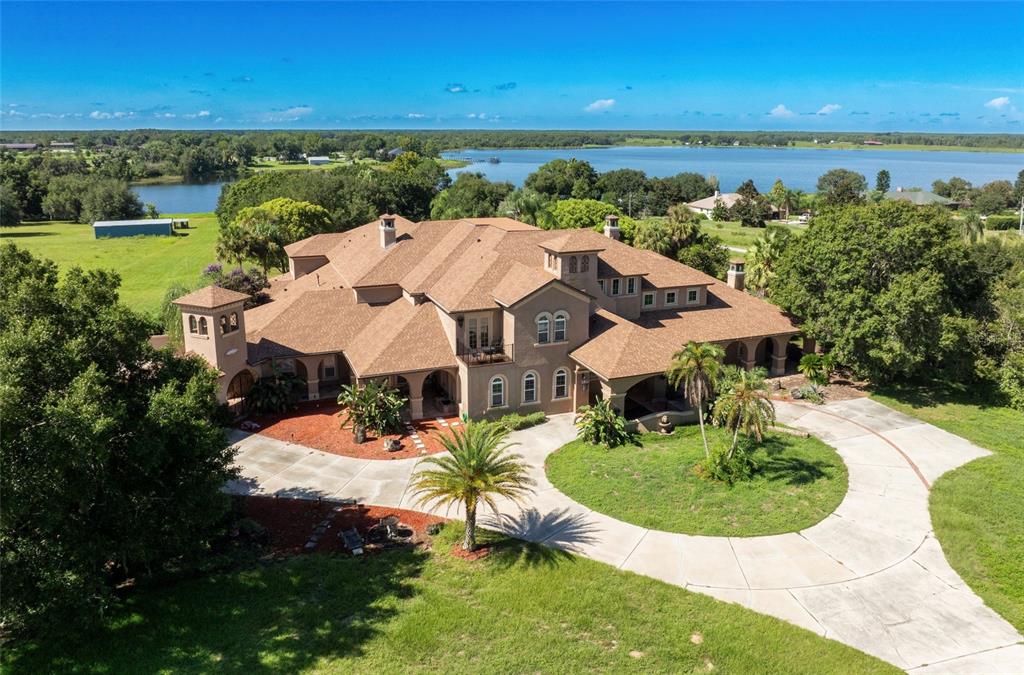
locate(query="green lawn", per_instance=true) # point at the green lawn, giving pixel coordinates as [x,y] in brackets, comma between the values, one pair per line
[801,481]
[733,234]
[147,265]
[525,609]
[977,510]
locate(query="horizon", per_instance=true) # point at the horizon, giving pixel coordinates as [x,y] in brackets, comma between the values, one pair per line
[732,66]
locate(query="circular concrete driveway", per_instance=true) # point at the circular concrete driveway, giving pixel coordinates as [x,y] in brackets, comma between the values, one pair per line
[870,575]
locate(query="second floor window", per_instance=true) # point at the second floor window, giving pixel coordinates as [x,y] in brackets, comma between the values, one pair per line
[631,286]
[692,296]
[471,333]
[561,320]
[616,286]
[543,329]
[648,299]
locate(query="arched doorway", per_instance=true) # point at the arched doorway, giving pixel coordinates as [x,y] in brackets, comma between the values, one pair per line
[652,395]
[440,394]
[735,354]
[238,388]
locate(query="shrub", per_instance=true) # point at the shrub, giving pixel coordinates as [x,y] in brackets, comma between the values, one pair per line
[722,466]
[1011,379]
[1001,222]
[515,421]
[817,368]
[375,406]
[601,424]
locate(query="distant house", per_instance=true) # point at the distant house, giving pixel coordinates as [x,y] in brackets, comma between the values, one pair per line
[395,152]
[873,143]
[707,205]
[132,228]
[318,161]
[19,147]
[62,146]
[921,198]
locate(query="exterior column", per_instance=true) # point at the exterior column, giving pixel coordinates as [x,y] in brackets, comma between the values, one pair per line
[615,400]
[750,354]
[313,389]
[779,345]
[810,346]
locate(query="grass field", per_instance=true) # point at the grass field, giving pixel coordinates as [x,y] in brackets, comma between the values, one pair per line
[801,481]
[977,510]
[845,145]
[523,609]
[147,265]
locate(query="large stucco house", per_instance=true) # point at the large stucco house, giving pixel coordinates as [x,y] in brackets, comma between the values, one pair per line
[483,316]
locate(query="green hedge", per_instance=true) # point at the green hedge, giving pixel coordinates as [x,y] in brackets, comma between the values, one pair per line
[999,222]
[515,421]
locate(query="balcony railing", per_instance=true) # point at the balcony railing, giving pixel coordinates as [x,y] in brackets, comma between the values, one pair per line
[478,356]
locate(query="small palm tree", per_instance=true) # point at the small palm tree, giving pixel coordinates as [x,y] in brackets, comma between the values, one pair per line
[972,227]
[817,368]
[746,407]
[695,367]
[477,468]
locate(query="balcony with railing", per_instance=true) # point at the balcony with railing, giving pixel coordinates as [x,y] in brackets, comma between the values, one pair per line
[498,352]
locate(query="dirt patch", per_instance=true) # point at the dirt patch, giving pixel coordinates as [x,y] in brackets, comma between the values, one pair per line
[840,389]
[291,523]
[317,424]
[480,552]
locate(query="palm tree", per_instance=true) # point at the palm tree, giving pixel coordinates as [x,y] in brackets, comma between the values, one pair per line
[696,367]
[972,227]
[747,407]
[763,257]
[477,468]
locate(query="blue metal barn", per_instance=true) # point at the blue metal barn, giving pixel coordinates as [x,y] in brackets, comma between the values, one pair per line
[132,228]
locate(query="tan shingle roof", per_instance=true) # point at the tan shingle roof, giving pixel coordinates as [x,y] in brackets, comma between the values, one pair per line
[622,348]
[519,282]
[317,245]
[577,241]
[401,338]
[211,297]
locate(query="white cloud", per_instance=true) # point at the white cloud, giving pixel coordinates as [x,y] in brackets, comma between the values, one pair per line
[998,103]
[829,108]
[288,114]
[416,116]
[203,113]
[192,116]
[600,104]
[477,116]
[781,111]
[104,115]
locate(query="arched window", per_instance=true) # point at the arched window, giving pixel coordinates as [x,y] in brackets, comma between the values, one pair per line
[193,325]
[544,328]
[233,324]
[204,328]
[561,323]
[224,325]
[572,264]
[530,387]
[497,391]
[585,263]
[561,383]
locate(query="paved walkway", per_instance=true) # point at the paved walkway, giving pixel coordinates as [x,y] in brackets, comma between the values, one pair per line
[870,575]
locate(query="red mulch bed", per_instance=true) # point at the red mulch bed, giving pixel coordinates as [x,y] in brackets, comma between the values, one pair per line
[480,552]
[291,522]
[317,424]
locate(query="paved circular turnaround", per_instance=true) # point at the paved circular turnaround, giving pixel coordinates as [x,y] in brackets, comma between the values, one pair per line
[871,574]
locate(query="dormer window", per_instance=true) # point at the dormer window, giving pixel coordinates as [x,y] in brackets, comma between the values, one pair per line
[561,322]
[631,286]
[543,329]
[616,286]
[692,296]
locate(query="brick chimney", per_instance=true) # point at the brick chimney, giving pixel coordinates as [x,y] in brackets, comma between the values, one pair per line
[387,231]
[611,227]
[736,275]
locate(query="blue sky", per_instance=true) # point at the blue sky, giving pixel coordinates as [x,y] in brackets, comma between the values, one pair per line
[918,66]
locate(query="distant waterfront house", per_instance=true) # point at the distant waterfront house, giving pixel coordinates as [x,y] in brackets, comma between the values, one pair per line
[132,228]
[921,198]
[482,317]
[318,161]
[707,205]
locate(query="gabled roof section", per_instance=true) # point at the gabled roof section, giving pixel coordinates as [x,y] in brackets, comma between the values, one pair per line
[402,337]
[519,282]
[211,297]
[317,245]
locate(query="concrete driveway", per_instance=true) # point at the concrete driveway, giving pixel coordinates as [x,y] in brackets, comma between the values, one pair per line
[871,574]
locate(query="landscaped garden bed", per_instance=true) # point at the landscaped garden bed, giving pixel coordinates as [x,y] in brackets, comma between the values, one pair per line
[318,424]
[656,483]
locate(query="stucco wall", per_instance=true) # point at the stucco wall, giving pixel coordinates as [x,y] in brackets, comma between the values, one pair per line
[378,294]
[303,266]
[226,353]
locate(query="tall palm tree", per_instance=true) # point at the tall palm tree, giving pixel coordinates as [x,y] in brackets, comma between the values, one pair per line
[763,257]
[746,407]
[972,227]
[477,468]
[696,367]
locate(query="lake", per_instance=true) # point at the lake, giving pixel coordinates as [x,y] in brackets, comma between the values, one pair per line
[182,197]
[799,168]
